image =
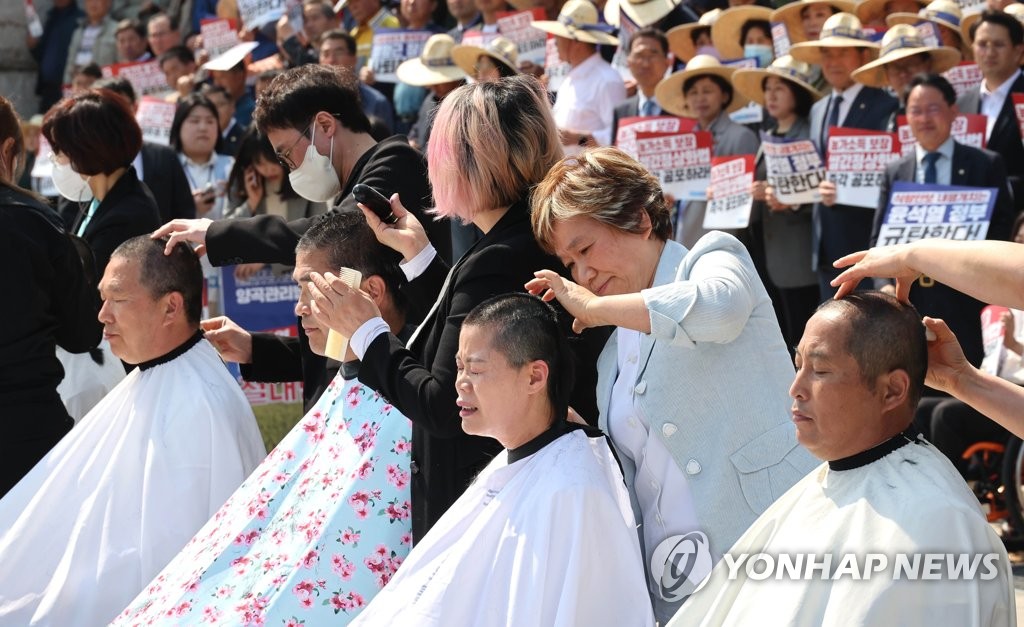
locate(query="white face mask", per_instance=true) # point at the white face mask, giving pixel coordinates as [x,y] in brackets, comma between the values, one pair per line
[315,179]
[71,184]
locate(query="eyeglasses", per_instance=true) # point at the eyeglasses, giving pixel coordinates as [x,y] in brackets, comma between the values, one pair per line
[285,158]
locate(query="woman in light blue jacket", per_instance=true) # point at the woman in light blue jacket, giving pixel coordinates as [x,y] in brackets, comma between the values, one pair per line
[692,386]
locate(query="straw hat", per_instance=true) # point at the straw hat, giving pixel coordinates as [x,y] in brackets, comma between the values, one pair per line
[902,41]
[669,92]
[679,41]
[230,57]
[842,30]
[640,12]
[1016,10]
[869,10]
[942,12]
[790,15]
[749,82]
[578,20]
[434,66]
[727,29]
[500,50]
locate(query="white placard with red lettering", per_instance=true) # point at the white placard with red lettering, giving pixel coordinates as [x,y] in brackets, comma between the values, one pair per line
[392,46]
[963,76]
[625,135]
[145,76]
[219,35]
[681,161]
[530,42]
[259,13]
[751,113]
[154,117]
[855,162]
[968,129]
[731,180]
[992,331]
[780,39]
[626,30]
[554,67]
[477,38]
[1018,108]
[794,169]
[917,212]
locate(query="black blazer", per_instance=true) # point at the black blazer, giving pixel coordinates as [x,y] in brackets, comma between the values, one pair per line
[420,379]
[973,168]
[128,210]
[630,107]
[840,230]
[1005,138]
[163,175]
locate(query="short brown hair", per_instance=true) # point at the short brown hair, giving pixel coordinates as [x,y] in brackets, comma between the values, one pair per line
[95,130]
[604,184]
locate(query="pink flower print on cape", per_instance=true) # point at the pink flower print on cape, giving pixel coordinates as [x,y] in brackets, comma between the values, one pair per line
[313,534]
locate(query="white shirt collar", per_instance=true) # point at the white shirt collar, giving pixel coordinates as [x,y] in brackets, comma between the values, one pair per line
[849,94]
[589,65]
[1001,91]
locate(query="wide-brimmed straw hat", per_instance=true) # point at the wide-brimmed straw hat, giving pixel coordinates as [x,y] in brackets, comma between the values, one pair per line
[902,41]
[842,30]
[680,43]
[230,57]
[500,50]
[727,29]
[941,12]
[750,82]
[578,20]
[790,15]
[669,92]
[870,10]
[640,12]
[434,66]
[1016,10]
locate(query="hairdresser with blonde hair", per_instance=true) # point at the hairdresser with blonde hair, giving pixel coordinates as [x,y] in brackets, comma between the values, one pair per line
[51,303]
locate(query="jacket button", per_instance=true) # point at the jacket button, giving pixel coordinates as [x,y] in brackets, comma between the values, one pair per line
[414,468]
[640,387]
[669,429]
[692,467]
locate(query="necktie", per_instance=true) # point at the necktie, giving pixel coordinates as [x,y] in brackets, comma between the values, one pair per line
[931,174]
[649,108]
[833,120]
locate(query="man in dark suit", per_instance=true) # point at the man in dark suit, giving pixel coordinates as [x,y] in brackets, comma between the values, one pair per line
[314,121]
[839,230]
[940,160]
[998,45]
[648,61]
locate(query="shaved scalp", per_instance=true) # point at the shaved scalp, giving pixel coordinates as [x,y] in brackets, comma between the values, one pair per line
[162,274]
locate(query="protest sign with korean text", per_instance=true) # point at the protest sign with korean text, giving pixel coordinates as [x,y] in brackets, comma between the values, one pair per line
[555,68]
[968,129]
[794,169]
[392,46]
[219,35]
[531,43]
[919,211]
[681,161]
[625,133]
[963,76]
[259,13]
[731,201]
[146,77]
[626,30]
[780,39]
[1018,108]
[750,113]
[855,162]
[155,116]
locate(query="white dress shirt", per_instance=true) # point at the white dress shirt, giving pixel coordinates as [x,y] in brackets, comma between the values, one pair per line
[992,102]
[849,95]
[943,166]
[587,99]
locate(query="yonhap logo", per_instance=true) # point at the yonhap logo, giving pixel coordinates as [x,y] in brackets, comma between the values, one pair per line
[682,565]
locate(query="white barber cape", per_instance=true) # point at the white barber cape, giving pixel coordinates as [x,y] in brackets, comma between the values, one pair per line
[97,518]
[547,540]
[899,498]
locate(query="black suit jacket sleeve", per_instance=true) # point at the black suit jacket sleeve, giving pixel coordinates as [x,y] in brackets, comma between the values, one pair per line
[426,393]
[392,166]
[274,359]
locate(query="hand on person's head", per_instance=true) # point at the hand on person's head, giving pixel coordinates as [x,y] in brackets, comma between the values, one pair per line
[575,299]
[176,231]
[337,306]
[947,364]
[407,235]
[884,262]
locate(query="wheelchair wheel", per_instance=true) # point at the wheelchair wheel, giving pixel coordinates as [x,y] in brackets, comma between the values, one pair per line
[1013,483]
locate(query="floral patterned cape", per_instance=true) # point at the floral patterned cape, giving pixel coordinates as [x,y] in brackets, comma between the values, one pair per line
[310,537]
